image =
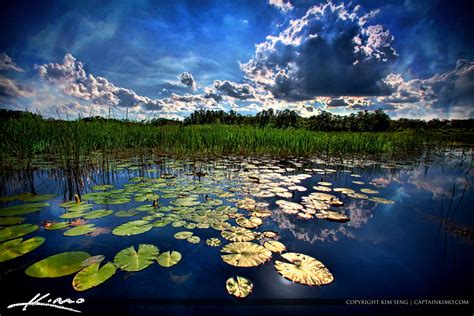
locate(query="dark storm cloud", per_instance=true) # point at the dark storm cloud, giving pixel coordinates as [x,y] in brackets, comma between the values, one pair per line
[187,79]
[330,51]
[239,91]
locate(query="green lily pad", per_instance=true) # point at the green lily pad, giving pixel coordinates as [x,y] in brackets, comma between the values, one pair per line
[238,234]
[132,228]
[193,239]
[6,221]
[126,213]
[92,276]
[130,260]
[98,214]
[183,235]
[17,247]
[168,258]
[38,197]
[56,226]
[239,286]
[58,265]
[22,209]
[16,231]
[70,215]
[80,207]
[80,230]
[102,187]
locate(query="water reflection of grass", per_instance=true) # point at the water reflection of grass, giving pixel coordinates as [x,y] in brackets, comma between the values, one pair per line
[28,135]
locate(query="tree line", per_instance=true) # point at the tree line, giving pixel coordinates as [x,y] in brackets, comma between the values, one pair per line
[362,121]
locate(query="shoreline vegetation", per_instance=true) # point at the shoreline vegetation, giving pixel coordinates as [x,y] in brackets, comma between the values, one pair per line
[25,135]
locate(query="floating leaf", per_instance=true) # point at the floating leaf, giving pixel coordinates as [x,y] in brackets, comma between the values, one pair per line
[102,187]
[16,231]
[5,221]
[194,239]
[238,234]
[58,265]
[55,226]
[80,230]
[245,254]
[80,207]
[70,215]
[126,213]
[369,191]
[213,242]
[38,197]
[251,222]
[132,228]
[183,235]
[17,247]
[303,269]
[92,276]
[168,258]
[130,260]
[325,183]
[22,209]
[274,246]
[333,216]
[98,214]
[239,286]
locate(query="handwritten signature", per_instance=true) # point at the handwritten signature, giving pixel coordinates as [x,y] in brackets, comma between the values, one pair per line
[58,303]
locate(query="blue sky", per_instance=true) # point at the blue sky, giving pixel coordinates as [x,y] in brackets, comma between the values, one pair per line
[168,58]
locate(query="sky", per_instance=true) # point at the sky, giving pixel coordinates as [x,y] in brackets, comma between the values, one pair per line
[148,59]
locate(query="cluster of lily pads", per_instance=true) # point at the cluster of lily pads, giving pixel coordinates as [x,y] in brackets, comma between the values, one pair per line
[230,201]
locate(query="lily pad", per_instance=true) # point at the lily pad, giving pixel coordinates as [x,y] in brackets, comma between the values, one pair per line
[238,234]
[193,239]
[183,235]
[80,230]
[303,269]
[92,276]
[168,258]
[213,242]
[6,221]
[16,231]
[381,200]
[22,209]
[130,260]
[132,228]
[239,286]
[98,214]
[251,222]
[17,247]
[56,226]
[369,191]
[58,265]
[274,246]
[245,254]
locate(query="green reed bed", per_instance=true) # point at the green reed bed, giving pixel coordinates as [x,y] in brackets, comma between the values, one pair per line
[24,137]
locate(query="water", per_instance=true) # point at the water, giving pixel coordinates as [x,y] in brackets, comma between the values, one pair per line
[419,247]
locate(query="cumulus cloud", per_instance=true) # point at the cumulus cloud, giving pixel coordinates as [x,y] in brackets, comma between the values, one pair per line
[454,88]
[283,5]
[7,64]
[74,81]
[187,79]
[330,51]
[240,91]
[11,89]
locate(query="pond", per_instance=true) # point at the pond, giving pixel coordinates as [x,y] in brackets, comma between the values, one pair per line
[169,234]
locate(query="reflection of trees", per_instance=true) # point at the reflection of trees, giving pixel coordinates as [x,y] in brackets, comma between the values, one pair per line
[359,211]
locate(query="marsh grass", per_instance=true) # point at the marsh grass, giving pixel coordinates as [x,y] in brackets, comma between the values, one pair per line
[70,141]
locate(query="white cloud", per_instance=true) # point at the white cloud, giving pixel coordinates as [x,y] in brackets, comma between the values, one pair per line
[283,5]
[7,63]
